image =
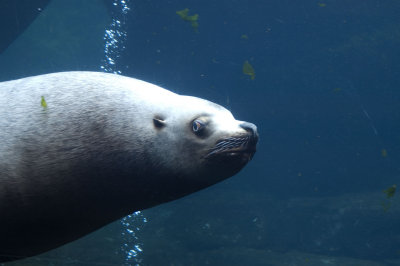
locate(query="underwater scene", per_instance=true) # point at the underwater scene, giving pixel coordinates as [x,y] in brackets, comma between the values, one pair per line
[319,78]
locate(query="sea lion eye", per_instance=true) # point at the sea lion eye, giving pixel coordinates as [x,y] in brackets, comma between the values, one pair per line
[158,122]
[197,126]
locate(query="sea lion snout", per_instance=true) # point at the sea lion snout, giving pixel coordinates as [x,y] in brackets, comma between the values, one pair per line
[252,129]
[250,146]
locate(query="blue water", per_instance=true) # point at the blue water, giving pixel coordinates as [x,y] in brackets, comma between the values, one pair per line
[325,98]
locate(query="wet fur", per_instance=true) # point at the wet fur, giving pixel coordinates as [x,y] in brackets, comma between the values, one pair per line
[94,154]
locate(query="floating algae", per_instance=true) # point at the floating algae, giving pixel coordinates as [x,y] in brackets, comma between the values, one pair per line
[384,153]
[386,204]
[249,70]
[184,14]
[43,103]
[390,191]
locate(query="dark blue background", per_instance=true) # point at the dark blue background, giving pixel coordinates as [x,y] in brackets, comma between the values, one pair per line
[325,98]
[318,69]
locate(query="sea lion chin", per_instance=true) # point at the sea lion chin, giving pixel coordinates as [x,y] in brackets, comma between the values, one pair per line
[79,150]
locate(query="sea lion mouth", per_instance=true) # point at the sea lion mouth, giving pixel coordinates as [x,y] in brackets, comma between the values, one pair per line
[243,146]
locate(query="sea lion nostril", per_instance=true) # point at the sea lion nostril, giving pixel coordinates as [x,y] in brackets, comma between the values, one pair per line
[251,128]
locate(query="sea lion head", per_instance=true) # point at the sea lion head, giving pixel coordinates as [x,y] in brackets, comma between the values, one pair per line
[201,142]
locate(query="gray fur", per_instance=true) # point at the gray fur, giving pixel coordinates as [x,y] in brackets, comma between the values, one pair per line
[94,154]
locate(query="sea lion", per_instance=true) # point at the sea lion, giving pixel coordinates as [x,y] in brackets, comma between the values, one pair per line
[79,150]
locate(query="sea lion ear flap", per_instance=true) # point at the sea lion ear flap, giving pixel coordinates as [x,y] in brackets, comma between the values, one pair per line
[158,122]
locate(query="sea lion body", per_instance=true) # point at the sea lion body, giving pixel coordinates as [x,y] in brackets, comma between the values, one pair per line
[79,150]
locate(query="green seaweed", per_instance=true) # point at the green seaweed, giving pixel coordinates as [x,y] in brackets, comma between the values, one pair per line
[249,70]
[193,19]
[390,191]
[43,103]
